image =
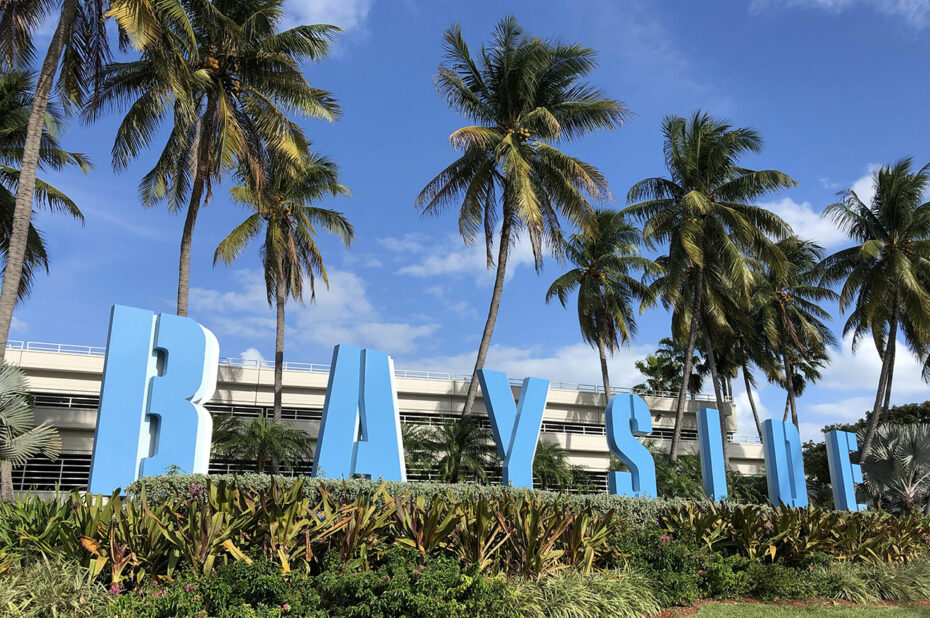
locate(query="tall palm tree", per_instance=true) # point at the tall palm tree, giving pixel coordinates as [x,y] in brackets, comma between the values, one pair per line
[16,91]
[226,77]
[885,274]
[702,213]
[604,260]
[462,449]
[20,438]
[282,212]
[526,96]
[78,47]
[787,309]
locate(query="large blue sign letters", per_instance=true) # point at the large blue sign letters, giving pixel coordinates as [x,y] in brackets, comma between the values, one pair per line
[360,430]
[843,473]
[515,427]
[628,416]
[158,372]
[784,464]
[713,464]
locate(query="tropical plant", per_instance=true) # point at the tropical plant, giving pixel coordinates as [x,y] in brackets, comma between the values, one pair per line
[226,430]
[551,467]
[226,76]
[16,93]
[713,234]
[20,438]
[885,274]
[897,470]
[526,95]
[79,48]
[264,441]
[605,258]
[788,313]
[282,204]
[462,449]
[663,370]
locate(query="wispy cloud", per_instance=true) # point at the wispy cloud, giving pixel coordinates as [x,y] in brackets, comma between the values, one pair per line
[915,13]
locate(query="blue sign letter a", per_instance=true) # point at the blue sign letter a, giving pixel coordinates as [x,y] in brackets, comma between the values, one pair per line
[158,372]
[360,430]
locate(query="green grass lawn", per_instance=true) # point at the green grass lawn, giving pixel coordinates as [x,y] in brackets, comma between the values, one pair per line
[751,610]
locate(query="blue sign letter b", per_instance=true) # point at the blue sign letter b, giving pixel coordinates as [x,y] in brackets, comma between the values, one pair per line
[158,372]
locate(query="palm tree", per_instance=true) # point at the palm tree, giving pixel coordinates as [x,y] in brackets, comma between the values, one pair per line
[787,310]
[79,48]
[526,96]
[663,370]
[226,430]
[604,259]
[16,90]
[226,77]
[701,212]
[885,275]
[264,441]
[281,204]
[462,449]
[897,470]
[551,467]
[20,438]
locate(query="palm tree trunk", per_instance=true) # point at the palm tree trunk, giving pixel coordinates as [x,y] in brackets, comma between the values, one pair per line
[887,359]
[686,369]
[502,254]
[6,481]
[789,385]
[752,402]
[204,171]
[718,395]
[887,404]
[602,352]
[280,299]
[784,417]
[25,187]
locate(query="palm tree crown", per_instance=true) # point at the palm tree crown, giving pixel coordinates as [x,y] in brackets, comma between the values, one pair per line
[886,274]
[788,314]
[226,77]
[604,259]
[524,95]
[16,88]
[713,234]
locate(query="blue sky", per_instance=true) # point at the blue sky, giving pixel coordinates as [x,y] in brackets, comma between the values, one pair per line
[834,86]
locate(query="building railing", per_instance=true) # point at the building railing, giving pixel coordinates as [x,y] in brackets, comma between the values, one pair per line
[407,374]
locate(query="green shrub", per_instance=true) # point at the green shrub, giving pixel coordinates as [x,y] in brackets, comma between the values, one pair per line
[670,563]
[50,588]
[569,594]
[635,510]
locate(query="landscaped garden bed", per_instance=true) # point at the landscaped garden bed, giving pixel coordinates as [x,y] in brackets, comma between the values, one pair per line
[253,546]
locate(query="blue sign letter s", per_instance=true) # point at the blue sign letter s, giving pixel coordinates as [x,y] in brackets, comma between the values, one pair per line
[628,416]
[158,372]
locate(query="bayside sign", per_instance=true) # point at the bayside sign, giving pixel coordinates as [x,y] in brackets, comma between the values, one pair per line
[161,369]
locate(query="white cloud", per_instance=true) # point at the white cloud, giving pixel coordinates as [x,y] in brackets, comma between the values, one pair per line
[18,325]
[447,255]
[341,314]
[574,364]
[916,13]
[252,354]
[850,372]
[347,14]
[807,222]
[864,187]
